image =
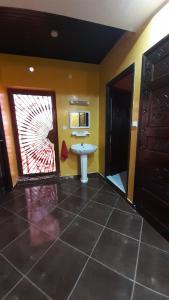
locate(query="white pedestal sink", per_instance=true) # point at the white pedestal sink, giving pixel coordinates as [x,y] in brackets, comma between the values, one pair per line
[83,150]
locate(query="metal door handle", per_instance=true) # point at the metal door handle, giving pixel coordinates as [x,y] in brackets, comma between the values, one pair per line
[1,141]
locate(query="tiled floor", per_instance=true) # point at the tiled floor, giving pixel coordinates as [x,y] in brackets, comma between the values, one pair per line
[69,241]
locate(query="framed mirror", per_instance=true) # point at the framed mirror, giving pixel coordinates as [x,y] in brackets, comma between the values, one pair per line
[79,119]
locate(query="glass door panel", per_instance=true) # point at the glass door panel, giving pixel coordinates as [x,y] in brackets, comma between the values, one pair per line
[35,131]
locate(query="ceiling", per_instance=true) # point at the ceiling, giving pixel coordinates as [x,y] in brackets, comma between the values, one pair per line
[124,14]
[27,32]
[87,29]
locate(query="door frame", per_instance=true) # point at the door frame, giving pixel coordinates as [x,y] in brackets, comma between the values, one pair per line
[5,163]
[35,92]
[127,71]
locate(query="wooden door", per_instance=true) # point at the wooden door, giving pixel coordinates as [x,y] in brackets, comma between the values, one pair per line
[5,177]
[118,122]
[152,166]
[120,130]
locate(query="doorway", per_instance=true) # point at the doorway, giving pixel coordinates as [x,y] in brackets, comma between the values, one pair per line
[118,128]
[5,177]
[35,129]
[151,194]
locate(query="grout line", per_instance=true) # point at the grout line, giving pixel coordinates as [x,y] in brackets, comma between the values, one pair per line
[8,293]
[89,256]
[138,252]
[102,225]
[23,193]
[158,293]
[94,259]
[35,225]
[129,213]
[24,208]
[135,214]
[71,246]
[2,204]
[106,227]
[154,247]
[41,256]
[106,205]
[11,263]
[123,234]
[44,253]
[4,248]
[22,278]
[31,223]
[38,288]
[76,196]
[111,269]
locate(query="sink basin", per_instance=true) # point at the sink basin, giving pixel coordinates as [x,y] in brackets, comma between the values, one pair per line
[83,150]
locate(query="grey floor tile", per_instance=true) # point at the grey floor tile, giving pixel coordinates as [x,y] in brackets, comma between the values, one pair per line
[8,277]
[82,234]
[4,215]
[153,269]
[27,249]
[57,221]
[16,205]
[26,291]
[96,212]
[42,197]
[117,252]
[108,188]
[123,205]
[57,272]
[98,283]
[106,198]
[152,237]
[74,203]
[69,186]
[141,293]
[11,228]
[52,222]
[125,223]
[96,183]
[11,196]
[85,192]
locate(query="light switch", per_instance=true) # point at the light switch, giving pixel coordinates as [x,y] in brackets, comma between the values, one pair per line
[134,123]
[64,127]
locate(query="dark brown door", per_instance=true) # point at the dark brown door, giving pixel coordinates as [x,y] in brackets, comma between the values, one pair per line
[118,122]
[5,177]
[152,166]
[2,183]
[120,129]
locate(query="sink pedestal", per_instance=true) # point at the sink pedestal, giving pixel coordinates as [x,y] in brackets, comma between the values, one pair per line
[83,150]
[83,162]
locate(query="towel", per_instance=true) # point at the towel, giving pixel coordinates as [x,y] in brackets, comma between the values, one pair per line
[64,151]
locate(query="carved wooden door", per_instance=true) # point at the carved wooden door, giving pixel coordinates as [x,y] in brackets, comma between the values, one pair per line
[152,166]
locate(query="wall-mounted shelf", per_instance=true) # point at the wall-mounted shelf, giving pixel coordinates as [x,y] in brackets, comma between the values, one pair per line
[80,133]
[73,100]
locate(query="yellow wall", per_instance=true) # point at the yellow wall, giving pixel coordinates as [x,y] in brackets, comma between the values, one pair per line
[85,83]
[54,75]
[8,134]
[129,50]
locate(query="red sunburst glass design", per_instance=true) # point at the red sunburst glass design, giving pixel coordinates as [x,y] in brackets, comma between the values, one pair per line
[34,120]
